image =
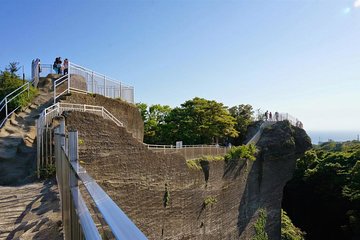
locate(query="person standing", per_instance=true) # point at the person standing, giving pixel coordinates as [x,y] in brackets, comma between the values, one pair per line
[270,116]
[66,66]
[276,116]
[266,115]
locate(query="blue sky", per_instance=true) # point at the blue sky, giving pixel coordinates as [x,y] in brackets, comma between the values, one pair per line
[301,57]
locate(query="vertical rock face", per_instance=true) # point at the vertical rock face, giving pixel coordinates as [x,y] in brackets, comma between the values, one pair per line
[168,200]
[280,146]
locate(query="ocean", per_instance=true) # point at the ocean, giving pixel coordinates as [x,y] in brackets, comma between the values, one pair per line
[337,136]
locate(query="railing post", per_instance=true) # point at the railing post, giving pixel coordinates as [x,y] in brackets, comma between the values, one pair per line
[105,86]
[92,81]
[54,91]
[73,157]
[120,91]
[6,108]
[38,148]
[69,78]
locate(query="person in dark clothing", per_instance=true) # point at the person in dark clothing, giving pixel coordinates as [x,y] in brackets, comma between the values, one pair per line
[57,65]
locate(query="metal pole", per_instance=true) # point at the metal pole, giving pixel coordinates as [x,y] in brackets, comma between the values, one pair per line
[105,86]
[6,107]
[73,157]
[92,79]
[38,149]
[69,76]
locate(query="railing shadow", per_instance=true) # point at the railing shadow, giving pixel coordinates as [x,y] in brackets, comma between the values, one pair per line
[49,202]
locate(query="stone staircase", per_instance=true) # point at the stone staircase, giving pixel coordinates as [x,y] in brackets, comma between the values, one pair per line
[17,136]
[29,211]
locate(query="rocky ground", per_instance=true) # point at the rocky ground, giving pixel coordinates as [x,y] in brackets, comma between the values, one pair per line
[29,209]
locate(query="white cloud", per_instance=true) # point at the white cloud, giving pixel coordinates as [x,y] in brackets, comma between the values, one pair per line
[357,4]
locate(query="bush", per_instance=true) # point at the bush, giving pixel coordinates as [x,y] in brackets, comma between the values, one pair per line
[208,201]
[10,82]
[242,152]
[259,226]
[288,230]
[48,172]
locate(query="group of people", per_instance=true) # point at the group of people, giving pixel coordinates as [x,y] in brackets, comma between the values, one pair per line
[269,116]
[60,67]
[35,66]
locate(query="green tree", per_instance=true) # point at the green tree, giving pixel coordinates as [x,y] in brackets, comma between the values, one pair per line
[244,116]
[200,121]
[12,68]
[154,121]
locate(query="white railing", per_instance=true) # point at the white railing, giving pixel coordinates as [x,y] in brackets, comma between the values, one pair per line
[43,126]
[190,151]
[94,83]
[270,121]
[77,220]
[4,104]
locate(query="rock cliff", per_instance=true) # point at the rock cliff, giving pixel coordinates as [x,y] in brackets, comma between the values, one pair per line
[168,200]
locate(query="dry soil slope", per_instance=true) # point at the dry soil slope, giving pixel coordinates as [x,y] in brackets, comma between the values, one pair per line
[125,112]
[138,179]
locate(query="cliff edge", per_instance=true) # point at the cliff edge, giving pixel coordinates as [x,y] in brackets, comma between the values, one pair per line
[167,199]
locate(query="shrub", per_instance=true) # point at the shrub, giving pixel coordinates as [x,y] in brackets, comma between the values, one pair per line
[259,226]
[10,82]
[288,230]
[48,171]
[208,201]
[243,151]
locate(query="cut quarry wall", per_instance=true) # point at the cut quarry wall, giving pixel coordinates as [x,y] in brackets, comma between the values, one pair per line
[123,111]
[167,200]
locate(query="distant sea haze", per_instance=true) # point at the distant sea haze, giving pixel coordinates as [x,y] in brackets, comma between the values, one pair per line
[338,136]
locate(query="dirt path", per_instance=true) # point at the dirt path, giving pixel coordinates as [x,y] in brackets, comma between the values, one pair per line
[28,209]
[31,211]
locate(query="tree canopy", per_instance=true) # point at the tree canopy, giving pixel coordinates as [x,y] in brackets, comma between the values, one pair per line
[196,121]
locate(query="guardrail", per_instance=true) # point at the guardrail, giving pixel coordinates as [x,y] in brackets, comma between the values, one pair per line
[190,151]
[45,131]
[95,83]
[77,220]
[4,104]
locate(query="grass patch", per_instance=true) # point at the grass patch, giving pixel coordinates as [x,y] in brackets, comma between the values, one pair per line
[209,201]
[242,152]
[195,164]
[288,230]
[259,226]
[48,172]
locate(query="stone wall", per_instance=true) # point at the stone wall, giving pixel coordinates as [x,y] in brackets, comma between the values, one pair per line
[166,199]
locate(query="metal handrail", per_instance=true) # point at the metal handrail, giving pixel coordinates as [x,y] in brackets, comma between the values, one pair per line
[159,146]
[5,102]
[44,122]
[68,172]
[97,74]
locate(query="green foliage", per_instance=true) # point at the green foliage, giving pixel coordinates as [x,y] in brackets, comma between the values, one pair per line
[197,121]
[12,68]
[209,201]
[242,152]
[10,82]
[48,172]
[244,116]
[327,184]
[260,233]
[193,164]
[288,230]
